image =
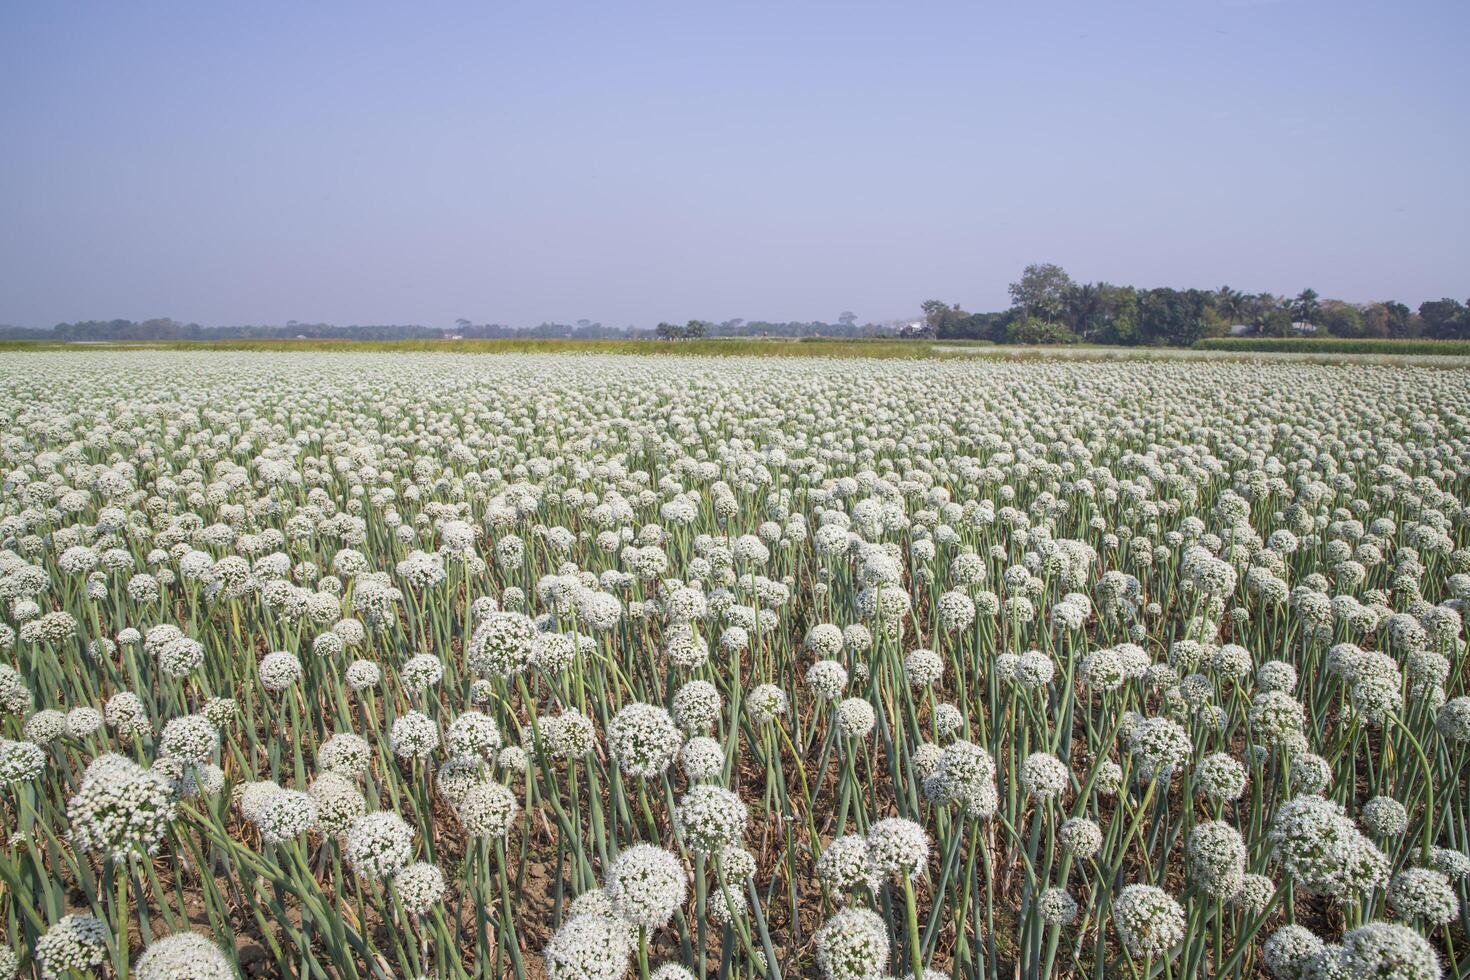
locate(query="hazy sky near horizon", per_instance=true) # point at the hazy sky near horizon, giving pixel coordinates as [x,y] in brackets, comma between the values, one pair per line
[635,162]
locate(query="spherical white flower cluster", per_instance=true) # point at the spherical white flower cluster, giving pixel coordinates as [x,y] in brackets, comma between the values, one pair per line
[643,739]
[1324,851]
[1150,922]
[120,810]
[897,848]
[379,845]
[646,884]
[184,956]
[74,943]
[852,945]
[710,818]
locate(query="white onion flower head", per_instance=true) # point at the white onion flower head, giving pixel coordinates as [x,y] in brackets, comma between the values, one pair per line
[338,801]
[855,718]
[1276,675]
[966,775]
[702,759]
[1217,858]
[361,675]
[1220,778]
[710,818]
[421,672]
[345,753]
[765,703]
[1453,720]
[843,866]
[83,722]
[1149,921]
[1289,950]
[279,670]
[502,645]
[643,739]
[897,847]
[512,758]
[1385,949]
[735,864]
[569,735]
[696,706]
[74,943]
[1309,773]
[379,845]
[473,732]
[1324,851]
[824,641]
[488,810]
[589,946]
[1385,816]
[1081,837]
[419,887]
[192,738]
[251,797]
[414,736]
[1057,907]
[1454,865]
[1423,895]
[826,679]
[120,810]
[1045,776]
[21,762]
[1159,747]
[852,945]
[184,956]
[285,815]
[1034,669]
[1253,894]
[646,884]
[125,712]
[923,668]
[15,696]
[856,638]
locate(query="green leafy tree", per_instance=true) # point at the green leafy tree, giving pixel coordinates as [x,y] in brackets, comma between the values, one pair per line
[1342,319]
[977,326]
[1274,323]
[1041,292]
[1173,316]
[1388,319]
[942,319]
[1120,315]
[1034,330]
[1445,319]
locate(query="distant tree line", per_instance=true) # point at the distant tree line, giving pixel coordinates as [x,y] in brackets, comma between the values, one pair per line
[1048,307]
[167,329]
[164,329]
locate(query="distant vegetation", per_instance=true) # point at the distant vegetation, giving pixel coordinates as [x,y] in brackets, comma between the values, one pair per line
[1335,345]
[1047,307]
[729,347]
[164,329]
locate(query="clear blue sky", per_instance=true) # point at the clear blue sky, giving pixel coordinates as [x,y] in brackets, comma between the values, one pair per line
[357,162]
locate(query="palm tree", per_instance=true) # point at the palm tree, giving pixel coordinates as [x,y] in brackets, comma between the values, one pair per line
[1305,308]
[1232,304]
[1082,308]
